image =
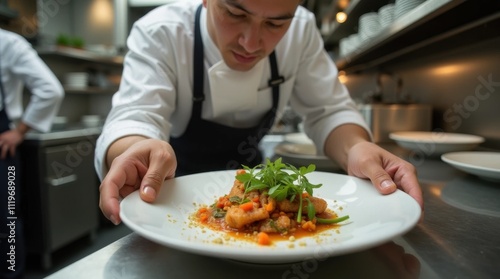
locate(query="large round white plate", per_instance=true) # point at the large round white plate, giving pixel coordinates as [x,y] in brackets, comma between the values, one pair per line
[435,143]
[303,154]
[374,219]
[486,165]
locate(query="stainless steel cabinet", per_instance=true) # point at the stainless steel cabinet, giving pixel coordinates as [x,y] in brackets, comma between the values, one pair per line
[59,194]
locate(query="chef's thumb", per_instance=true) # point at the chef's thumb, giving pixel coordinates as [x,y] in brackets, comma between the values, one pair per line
[151,183]
[382,181]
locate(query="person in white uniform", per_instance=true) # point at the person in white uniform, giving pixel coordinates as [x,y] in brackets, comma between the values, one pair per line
[204,81]
[20,66]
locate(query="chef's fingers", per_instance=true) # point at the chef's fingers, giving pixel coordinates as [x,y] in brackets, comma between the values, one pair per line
[109,200]
[402,174]
[120,174]
[162,164]
[380,179]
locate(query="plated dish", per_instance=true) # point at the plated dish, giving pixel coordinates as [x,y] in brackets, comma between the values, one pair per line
[486,165]
[374,219]
[435,143]
[300,154]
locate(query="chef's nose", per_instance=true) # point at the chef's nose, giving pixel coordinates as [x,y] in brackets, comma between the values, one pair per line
[251,38]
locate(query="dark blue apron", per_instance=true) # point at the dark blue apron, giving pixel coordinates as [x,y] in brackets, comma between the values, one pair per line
[208,146]
[10,170]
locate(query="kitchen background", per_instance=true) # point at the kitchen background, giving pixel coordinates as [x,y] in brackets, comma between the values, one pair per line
[443,53]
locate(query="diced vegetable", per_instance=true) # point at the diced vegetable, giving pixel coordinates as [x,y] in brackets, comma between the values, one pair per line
[332,221]
[263,238]
[247,206]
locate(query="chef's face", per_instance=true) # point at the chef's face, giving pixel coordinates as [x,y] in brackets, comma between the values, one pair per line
[246,31]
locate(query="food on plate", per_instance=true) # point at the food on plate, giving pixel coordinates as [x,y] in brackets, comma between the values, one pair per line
[270,202]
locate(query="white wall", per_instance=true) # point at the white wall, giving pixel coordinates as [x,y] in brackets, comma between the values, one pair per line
[92,20]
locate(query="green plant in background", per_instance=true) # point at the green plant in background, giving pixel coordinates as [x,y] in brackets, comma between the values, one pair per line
[68,41]
[63,40]
[77,42]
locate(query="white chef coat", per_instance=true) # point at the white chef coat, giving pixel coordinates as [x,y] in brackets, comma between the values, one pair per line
[155,94]
[21,66]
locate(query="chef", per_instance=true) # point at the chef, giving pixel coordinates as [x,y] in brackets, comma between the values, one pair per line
[204,81]
[20,66]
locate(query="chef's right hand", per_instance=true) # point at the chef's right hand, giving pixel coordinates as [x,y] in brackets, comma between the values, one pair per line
[141,164]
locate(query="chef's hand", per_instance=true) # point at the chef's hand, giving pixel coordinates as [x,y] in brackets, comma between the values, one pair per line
[386,170]
[135,163]
[9,140]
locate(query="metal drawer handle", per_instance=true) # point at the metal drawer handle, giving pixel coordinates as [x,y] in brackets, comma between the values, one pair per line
[62,180]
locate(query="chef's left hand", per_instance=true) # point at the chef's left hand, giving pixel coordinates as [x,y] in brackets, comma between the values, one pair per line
[385,170]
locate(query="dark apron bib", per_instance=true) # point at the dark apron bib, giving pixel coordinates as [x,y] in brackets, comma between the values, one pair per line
[10,170]
[209,146]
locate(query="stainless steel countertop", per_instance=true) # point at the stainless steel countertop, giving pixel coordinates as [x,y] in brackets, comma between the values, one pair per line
[457,238]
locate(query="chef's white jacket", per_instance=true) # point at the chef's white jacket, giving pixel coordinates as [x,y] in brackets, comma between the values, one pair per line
[155,94]
[21,66]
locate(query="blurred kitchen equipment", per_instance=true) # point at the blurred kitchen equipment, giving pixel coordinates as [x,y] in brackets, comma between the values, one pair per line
[384,119]
[59,123]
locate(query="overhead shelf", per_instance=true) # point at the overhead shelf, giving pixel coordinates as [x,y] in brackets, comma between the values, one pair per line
[425,26]
[355,9]
[80,54]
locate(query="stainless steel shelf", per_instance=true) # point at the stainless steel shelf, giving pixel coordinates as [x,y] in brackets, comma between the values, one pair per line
[427,25]
[355,9]
[74,53]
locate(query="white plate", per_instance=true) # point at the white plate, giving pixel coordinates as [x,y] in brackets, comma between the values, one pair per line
[300,138]
[435,143]
[374,219]
[486,165]
[299,154]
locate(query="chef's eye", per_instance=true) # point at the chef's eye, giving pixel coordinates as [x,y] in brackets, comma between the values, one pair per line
[235,14]
[274,25]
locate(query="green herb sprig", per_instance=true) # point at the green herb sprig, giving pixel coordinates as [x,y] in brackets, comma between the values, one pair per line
[282,181]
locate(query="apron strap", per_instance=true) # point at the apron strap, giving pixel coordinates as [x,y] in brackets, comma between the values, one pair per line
[4,118]
[198,68]
[2,91]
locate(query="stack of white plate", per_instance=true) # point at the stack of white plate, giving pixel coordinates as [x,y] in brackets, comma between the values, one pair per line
[76,80]
[402,7]
[369,26]
[349,44]
[386,15]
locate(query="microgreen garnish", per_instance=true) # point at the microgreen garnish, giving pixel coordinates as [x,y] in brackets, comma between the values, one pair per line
[282,181]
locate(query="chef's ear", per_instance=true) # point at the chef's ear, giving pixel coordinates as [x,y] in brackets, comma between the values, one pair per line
[205,3]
